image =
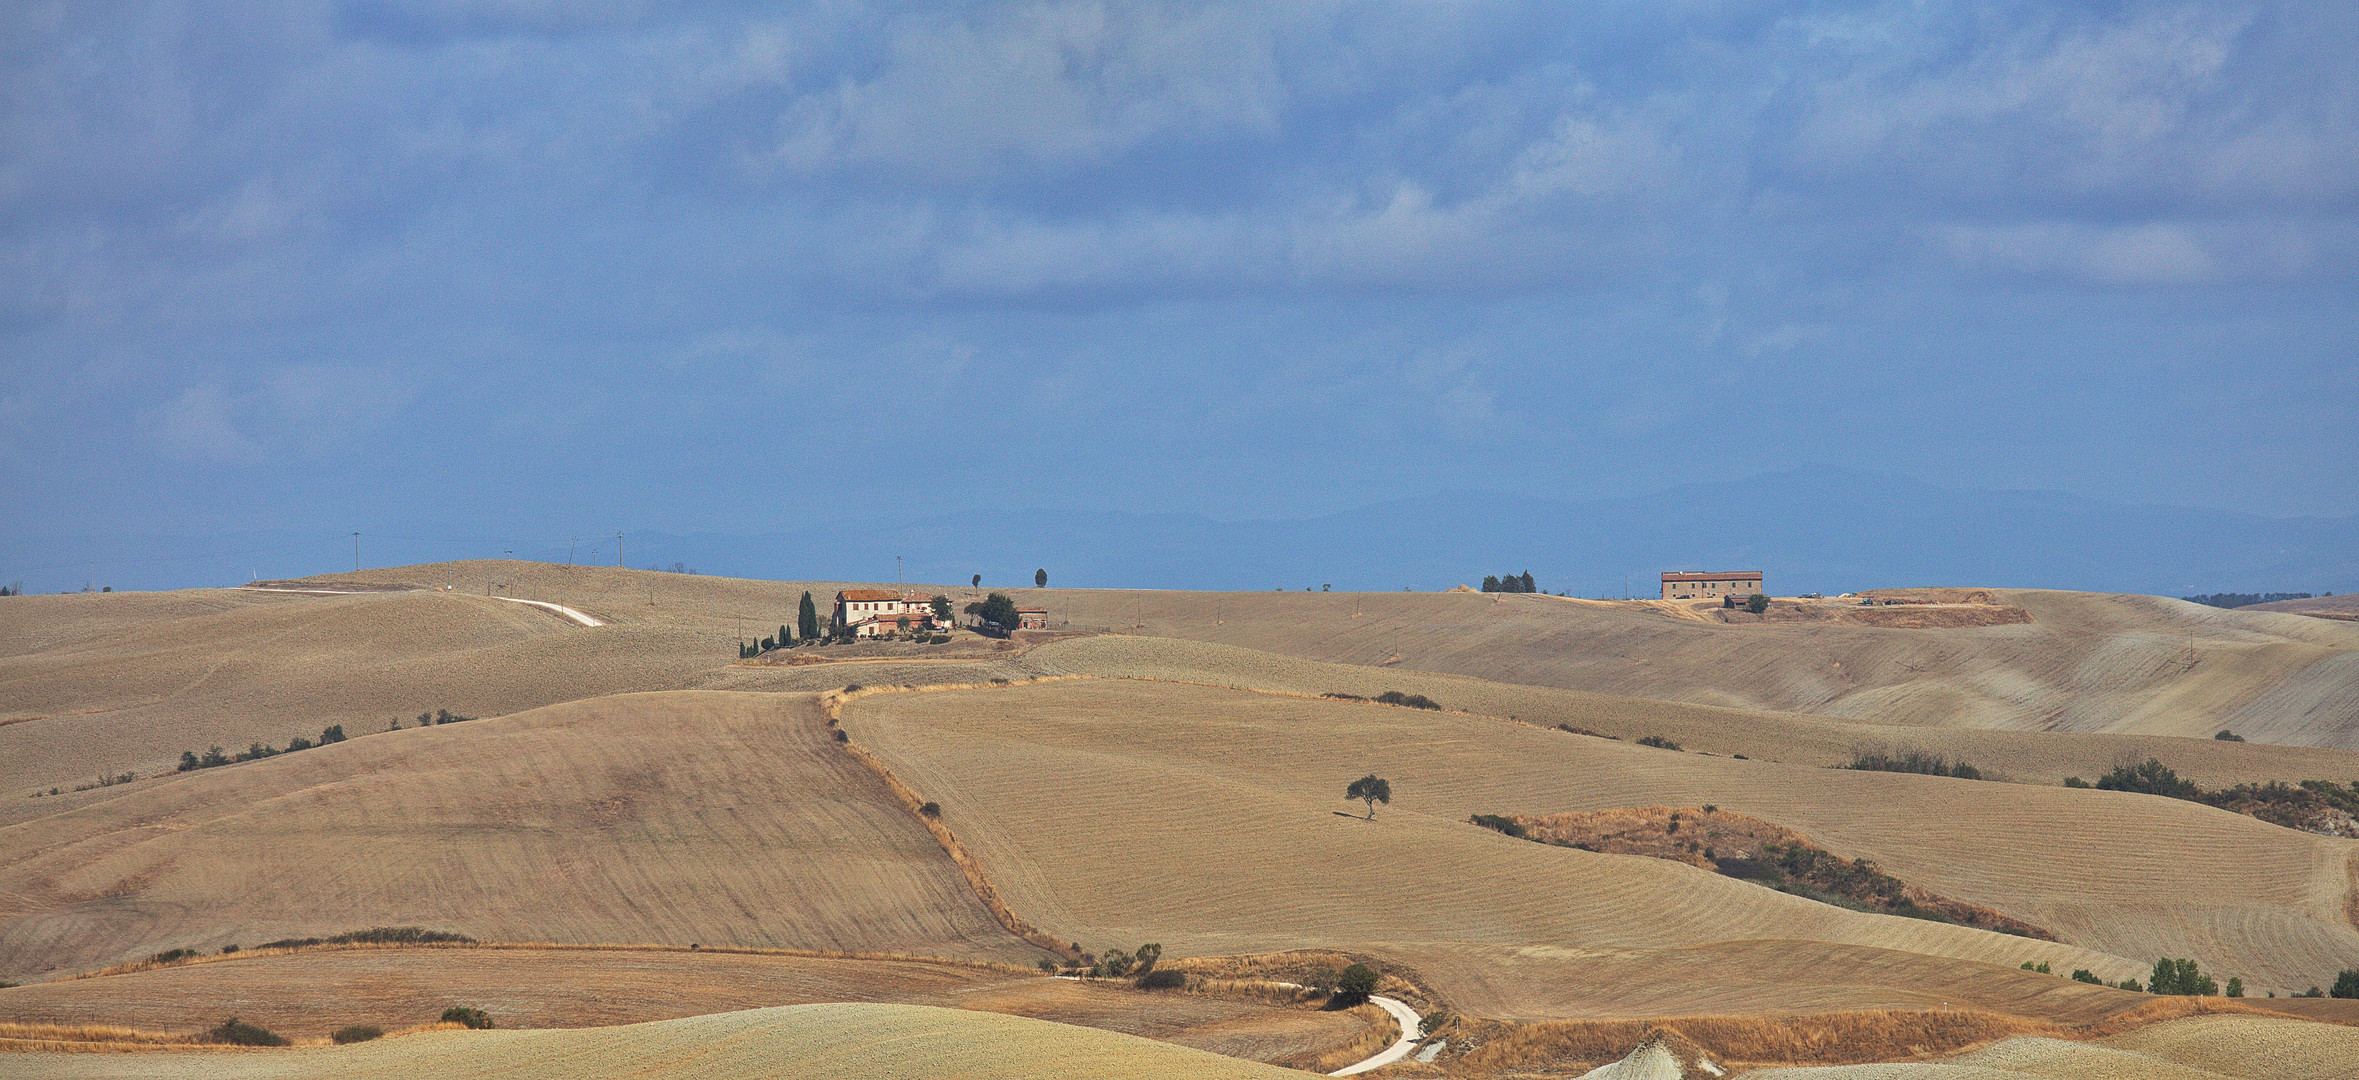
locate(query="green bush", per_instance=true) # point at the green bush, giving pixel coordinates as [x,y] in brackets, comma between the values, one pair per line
[173,956]
[1756,603]
[353,1033]
[2346,984]
[2075,782]
[2086,976]
[2150,777]
[1414,701]
[2181,977]
[1912,761]
[462,1014]
[2228,736]
[1358,981]
[2235,987]
[235,1032]
[2041,967]
[1658,742]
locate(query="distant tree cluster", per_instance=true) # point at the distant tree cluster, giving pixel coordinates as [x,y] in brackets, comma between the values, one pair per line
[2244,599]
[1911,761]
[13,588]
[2294,806]
[1515,583]
[997,611]
[191,761]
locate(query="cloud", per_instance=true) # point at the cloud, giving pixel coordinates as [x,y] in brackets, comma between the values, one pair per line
[304,410]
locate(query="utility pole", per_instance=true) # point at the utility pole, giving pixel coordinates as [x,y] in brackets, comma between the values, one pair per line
[618,550]
[570,546]
[356,553]
[897,571]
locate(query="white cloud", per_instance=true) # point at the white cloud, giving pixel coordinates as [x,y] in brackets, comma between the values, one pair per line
[303,410]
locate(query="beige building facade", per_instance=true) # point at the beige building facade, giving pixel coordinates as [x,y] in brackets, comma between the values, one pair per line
[1710,584]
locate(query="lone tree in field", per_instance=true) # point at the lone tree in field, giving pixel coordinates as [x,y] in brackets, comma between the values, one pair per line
[1040,579]
[977,583]
[1370,789]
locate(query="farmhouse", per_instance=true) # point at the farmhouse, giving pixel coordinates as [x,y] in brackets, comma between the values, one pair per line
[875,612]
[1710,584]
[1031,618]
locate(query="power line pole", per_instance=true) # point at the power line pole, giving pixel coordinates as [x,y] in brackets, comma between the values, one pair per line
[356,553]
[570,546]
[618,550]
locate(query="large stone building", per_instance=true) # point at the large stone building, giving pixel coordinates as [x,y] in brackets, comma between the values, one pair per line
[1710,584]
[871,612]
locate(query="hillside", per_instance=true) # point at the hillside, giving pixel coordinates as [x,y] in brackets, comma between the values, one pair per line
[844,1041]
[713,818]
[2197,1048]
[107,683]
[1230,804]
[2084,663]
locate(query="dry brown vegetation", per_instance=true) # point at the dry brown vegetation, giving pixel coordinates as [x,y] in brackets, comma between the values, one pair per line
[1239,799]
[1181,788]
[1707,837]
[713,818]
[305,994]
[841,1041]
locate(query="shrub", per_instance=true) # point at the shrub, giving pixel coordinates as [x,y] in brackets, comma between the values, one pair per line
[842,736]
[2235,987]
[2090,977]
[229,948]
[1911,761]
[2346,984]
[2229,736]
[1757,603]
[1658,742]
[173,956]
[188,761]
[2150,777]
[1162,979]
[213,756]
[1414,701]
[2041,967]
[2130,985]
[1048,965]
[236,1032]
[1499,823]
[938,639]
[353,1033]
[462,1014]
[1432,1022]
[931,809]
[2075,782]
[1357,981]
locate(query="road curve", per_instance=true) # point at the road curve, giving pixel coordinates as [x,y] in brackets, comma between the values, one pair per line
[1400,1047]
[560,609]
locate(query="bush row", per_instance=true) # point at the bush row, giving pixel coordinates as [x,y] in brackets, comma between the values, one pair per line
[2294,806]
[1911,761]
[190,760]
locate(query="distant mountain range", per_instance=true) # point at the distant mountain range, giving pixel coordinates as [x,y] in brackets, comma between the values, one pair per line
[1811,529]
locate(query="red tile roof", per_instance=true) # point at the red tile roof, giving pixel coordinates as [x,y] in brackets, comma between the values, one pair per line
[1698,575]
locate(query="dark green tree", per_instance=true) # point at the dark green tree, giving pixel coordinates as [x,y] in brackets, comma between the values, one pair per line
[1357,982]
[977,583]
[213,756]
[1525,584]
[1756,603]
[1490,583]
[786,637]
[1370,789]
[995,609]
[2180,977]
[941,606]
[330,734]
[2152,778]
[2346,984]
[1040,579]
[807,619]
[188,760]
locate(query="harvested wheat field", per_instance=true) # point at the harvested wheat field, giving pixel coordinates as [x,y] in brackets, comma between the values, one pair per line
[2197,1048]
[1239,794]
[693,817]
[2084,662]
[306,994]
[847,1041]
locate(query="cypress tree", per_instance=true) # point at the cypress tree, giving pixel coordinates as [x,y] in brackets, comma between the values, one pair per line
[808,618]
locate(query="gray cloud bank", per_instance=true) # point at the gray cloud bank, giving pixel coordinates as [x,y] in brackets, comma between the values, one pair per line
[300,249]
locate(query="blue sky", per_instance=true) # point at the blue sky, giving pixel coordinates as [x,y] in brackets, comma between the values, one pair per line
[511,267]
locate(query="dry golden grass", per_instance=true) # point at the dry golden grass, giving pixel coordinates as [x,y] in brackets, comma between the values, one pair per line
[1227,807]
[714,818]
[2087,662]
[2028,756]
[845,1042]
[1382,1031]
[306,994]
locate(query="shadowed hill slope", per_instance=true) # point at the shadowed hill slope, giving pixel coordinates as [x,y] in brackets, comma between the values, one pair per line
[2197,1048]
[1229,802]
[673,818]
[848,1042]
